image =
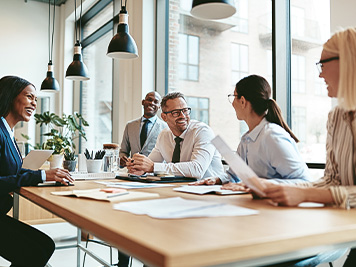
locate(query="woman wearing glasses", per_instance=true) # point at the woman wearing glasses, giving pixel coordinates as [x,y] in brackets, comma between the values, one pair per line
[337,67]
[269,146]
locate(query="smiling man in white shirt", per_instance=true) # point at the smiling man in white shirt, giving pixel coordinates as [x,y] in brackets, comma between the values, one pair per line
[182,149]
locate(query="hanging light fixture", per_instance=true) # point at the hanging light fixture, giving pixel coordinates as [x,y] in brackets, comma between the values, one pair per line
[122,45]
[213,9]
[77,70]
[50,84]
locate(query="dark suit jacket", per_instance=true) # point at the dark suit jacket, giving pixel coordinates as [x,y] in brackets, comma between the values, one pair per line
[12,175]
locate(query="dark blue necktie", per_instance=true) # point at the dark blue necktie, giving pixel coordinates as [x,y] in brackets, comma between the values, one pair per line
[176,152]
[143,134]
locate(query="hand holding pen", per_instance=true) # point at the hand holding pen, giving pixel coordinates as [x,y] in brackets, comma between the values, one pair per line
[140,162]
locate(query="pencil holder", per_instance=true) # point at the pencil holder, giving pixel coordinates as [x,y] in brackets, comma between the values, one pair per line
[94,165]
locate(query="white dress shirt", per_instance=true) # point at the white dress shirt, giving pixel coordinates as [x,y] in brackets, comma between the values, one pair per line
[198,157]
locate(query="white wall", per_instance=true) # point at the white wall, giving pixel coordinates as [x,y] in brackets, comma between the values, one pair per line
[24,45]
[342,14]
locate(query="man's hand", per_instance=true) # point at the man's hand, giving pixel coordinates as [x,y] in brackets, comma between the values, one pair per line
[207,181]
[138,163]
[123,161]
[59,175]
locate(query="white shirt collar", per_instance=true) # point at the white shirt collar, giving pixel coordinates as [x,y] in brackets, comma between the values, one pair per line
[7,126]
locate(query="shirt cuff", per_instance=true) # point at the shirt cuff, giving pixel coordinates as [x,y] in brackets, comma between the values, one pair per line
[159,167]
[43,175]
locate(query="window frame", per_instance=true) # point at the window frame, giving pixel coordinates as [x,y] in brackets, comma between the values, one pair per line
[97,34]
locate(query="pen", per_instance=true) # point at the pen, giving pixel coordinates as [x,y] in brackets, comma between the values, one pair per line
[118,194]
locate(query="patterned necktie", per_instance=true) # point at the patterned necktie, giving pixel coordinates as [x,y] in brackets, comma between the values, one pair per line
[143,134]
[176,152]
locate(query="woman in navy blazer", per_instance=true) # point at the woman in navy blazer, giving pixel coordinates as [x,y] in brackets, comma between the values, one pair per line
[20,243]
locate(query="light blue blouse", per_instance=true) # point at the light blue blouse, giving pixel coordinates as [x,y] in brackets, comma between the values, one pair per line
[273,154]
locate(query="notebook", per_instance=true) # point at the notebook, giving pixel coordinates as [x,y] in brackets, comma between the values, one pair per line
[35,159]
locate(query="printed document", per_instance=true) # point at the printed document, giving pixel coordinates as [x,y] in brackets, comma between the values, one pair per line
[176,208]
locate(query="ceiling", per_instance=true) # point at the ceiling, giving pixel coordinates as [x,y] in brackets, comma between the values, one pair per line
[57,2]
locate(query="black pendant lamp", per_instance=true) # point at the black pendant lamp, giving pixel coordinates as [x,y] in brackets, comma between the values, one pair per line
[50,84]
[213,9]
[122,45]
[77,70]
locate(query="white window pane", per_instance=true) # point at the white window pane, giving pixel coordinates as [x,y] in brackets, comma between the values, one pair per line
[96,99]
[310,24]
[183,49]
[183,72]
[193,73]
[193,50]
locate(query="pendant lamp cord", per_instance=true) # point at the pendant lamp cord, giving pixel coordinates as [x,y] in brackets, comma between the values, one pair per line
[75,17]
[50,46]
[125,4]
[80,20]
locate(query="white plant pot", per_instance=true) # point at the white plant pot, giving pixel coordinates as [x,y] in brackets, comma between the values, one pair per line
[56,161]
[94,165]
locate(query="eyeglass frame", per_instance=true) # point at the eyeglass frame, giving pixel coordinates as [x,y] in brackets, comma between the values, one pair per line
[176,112]
[230,95]
[319,65]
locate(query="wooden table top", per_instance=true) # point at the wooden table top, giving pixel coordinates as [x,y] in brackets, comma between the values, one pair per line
[201,241]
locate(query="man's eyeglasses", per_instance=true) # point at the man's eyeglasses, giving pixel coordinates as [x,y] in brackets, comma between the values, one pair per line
[176,112]
[319,64]
[231,97]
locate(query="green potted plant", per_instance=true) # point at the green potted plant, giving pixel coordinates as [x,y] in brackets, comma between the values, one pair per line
[69,162]
[63,130]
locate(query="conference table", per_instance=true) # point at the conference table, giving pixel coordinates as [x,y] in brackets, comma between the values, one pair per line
[275,234]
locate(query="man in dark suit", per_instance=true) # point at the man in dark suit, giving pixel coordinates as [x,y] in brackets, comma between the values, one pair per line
[140,134]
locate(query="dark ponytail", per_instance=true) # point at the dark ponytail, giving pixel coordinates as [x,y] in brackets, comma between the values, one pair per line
[274,115]
[257,91]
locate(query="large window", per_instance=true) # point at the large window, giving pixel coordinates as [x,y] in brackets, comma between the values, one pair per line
[241,45]
[224,51]
[96,94]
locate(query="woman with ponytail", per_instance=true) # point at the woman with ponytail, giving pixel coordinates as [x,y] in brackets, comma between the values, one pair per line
[269,146]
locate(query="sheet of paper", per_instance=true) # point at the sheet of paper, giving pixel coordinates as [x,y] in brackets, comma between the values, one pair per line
[176,207]
[100,195]
[205,189]
[239,167]
[133,185]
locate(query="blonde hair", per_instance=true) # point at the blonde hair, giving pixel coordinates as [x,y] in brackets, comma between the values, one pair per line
[343,44]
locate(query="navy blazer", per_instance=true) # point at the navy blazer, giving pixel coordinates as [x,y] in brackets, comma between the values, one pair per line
[12,176]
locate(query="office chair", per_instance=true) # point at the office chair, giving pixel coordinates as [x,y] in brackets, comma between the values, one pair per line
[325,257]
